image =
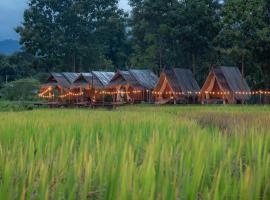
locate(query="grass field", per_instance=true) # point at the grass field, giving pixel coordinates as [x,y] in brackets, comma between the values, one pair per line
[138,153]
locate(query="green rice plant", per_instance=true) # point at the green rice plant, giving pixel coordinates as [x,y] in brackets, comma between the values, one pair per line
[140,152]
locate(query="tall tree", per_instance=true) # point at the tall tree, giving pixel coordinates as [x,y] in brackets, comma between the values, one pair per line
[77,34]
[152,25]
[198,27]
[172,33]
[245,35]
[236,33]
[261,42]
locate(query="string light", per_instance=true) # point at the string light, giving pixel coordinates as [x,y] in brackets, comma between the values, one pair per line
[43,94]
[248,93]
[104,92]
[47,96]
[71,94]
[170,93]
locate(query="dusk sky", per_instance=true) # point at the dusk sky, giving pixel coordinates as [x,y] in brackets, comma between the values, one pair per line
[11,12]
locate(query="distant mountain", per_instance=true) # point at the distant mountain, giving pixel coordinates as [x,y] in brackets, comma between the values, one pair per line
[8,47]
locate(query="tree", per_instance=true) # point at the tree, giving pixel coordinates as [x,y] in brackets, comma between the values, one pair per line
[246,34]
[234,38]
[75,34]
[198,27]
[153,35]
[171,33]
[261,42]
[15,66]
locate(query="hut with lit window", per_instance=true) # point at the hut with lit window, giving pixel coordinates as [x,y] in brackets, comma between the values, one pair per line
[92,85]
[57,87]
[176,85]
[82,86]
[132,86]
[225,85]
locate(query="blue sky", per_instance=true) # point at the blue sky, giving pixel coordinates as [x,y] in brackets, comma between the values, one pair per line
[11,12]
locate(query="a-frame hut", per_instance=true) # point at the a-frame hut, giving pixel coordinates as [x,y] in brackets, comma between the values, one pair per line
[133,86]
[57,85]
[92,85]
[176,85]
[226,85]
[82,85]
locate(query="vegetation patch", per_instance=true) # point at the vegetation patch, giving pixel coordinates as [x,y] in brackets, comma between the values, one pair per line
[8,106]
[232,122]
[21,90]
[135,153]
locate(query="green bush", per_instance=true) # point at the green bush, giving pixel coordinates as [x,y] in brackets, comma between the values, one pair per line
[41,76]
[7,106]
[21,90]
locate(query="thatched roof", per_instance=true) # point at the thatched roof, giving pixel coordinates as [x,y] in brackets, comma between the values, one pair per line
[181,80]
[83,80]
[71,76]
[229,80]
[235,80]
[58,79]
[96,79]
[141,79]
[103,78]
[146,78]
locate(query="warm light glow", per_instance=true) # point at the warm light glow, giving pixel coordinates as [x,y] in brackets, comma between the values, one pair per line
[70,94]
[214,93]
[43,94]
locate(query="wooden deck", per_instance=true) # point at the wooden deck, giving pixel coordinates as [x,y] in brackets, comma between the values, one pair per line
[51,104]
[110,105]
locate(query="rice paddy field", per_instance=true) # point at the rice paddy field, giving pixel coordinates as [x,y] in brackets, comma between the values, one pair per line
[136,153]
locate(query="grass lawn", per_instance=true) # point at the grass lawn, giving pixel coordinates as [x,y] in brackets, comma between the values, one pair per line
[139,152]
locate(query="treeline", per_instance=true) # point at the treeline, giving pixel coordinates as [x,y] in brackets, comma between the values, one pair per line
[74,35]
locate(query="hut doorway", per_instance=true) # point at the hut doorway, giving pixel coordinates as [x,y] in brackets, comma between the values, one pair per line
[215,93]
[122,94]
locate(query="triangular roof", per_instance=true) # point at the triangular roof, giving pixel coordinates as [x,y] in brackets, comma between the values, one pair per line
[181,80]
[146,78]
[83,80]
[71,76]
[57,79]
[103,77]
[229,79]
[234,79]
[136,78]
[98,79]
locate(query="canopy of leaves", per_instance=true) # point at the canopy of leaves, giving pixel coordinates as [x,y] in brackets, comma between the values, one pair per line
[73,35]
[20,90]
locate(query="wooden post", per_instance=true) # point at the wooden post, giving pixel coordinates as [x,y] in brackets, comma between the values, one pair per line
[148,96]
[143,95]
[69,99]
[103,98]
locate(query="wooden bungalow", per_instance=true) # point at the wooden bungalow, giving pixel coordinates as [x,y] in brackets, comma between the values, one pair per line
[92,85]
[132,86]
[176,85]
[82,86]
[225,85]
[58,86]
